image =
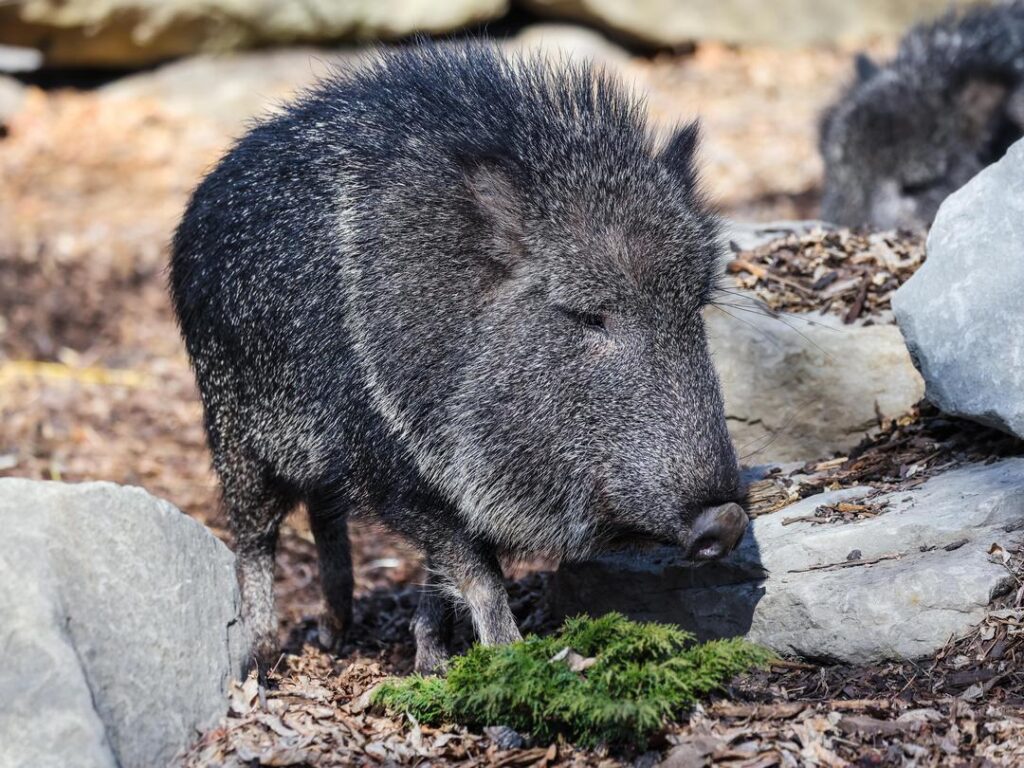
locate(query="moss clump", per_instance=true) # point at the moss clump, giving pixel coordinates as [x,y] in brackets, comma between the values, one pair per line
[637,678]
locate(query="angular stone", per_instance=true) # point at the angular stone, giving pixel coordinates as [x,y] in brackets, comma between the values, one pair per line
[924,573]
[963,311]
[127,33]
[801,386]
[121,626]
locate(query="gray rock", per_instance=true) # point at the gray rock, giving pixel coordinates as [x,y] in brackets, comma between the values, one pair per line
[121,626]
[568,41]
[801,386]
[962,313]
[231,88]
[673,22]
[126,33]
[924,573]
[19,59]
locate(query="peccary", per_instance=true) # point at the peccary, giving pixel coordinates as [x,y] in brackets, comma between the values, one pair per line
[907,134]
[460,293]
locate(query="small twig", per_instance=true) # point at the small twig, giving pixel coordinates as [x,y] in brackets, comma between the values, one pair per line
[801,519]
[790,664]
[742,265]
[860,705]
[848,563]
[858,304]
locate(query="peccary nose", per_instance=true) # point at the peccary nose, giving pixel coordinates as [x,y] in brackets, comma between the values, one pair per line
[716,531]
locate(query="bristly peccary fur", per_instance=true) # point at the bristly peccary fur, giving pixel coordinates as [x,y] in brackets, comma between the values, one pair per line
[908,133]
[463,294]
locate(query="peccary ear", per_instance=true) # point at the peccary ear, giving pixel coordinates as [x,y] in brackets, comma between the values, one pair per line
[492,189]
[678,154]
[983,103]
[865,67]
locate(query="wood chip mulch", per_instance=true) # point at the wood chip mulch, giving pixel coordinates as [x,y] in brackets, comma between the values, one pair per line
[847,273]
[904,453]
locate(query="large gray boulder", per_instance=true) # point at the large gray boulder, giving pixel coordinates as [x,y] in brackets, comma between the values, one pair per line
[897,585]
[674,22]
[120,626]
[962,313]
[128,33]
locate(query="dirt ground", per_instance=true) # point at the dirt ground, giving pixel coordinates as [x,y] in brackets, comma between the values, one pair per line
[95,385]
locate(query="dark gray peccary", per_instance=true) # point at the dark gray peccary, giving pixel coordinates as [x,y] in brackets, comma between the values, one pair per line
[462,294]
[907,134]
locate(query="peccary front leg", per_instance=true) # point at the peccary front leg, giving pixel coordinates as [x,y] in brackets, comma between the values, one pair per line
[473,574]
[329,522]
[432,625]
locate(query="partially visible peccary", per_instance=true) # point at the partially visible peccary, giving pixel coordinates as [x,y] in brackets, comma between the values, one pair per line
[463,294]
[908,133]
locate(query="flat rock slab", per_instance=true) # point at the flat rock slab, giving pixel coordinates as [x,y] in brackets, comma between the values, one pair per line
[121,626]
[922,572]
[661,23]
[131,33]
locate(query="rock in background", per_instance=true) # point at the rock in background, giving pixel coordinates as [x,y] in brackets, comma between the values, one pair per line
[129,33]
[895,585]
[962,313]
[121,627]
[676,22]
[230,89]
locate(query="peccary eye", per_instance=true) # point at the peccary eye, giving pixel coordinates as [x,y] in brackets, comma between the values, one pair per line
[592,321]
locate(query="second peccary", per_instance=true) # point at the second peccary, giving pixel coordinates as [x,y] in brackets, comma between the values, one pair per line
[907,134]
[461,294]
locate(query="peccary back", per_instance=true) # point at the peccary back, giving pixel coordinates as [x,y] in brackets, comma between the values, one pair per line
[463,293]
[907,134]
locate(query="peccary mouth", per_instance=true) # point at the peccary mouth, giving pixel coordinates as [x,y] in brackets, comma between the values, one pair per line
[639,541]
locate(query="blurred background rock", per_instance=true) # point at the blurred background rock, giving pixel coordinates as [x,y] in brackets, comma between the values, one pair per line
[123,33]
[111,111]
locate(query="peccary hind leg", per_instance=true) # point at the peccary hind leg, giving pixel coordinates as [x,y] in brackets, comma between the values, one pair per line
[255,510]
[328,519]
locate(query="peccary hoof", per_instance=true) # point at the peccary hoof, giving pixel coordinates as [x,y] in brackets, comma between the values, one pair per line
[331,632]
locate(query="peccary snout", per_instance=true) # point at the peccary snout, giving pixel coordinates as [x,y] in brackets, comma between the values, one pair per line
[716,532]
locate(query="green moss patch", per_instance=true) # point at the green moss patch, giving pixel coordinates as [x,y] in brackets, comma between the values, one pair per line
[606,680]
